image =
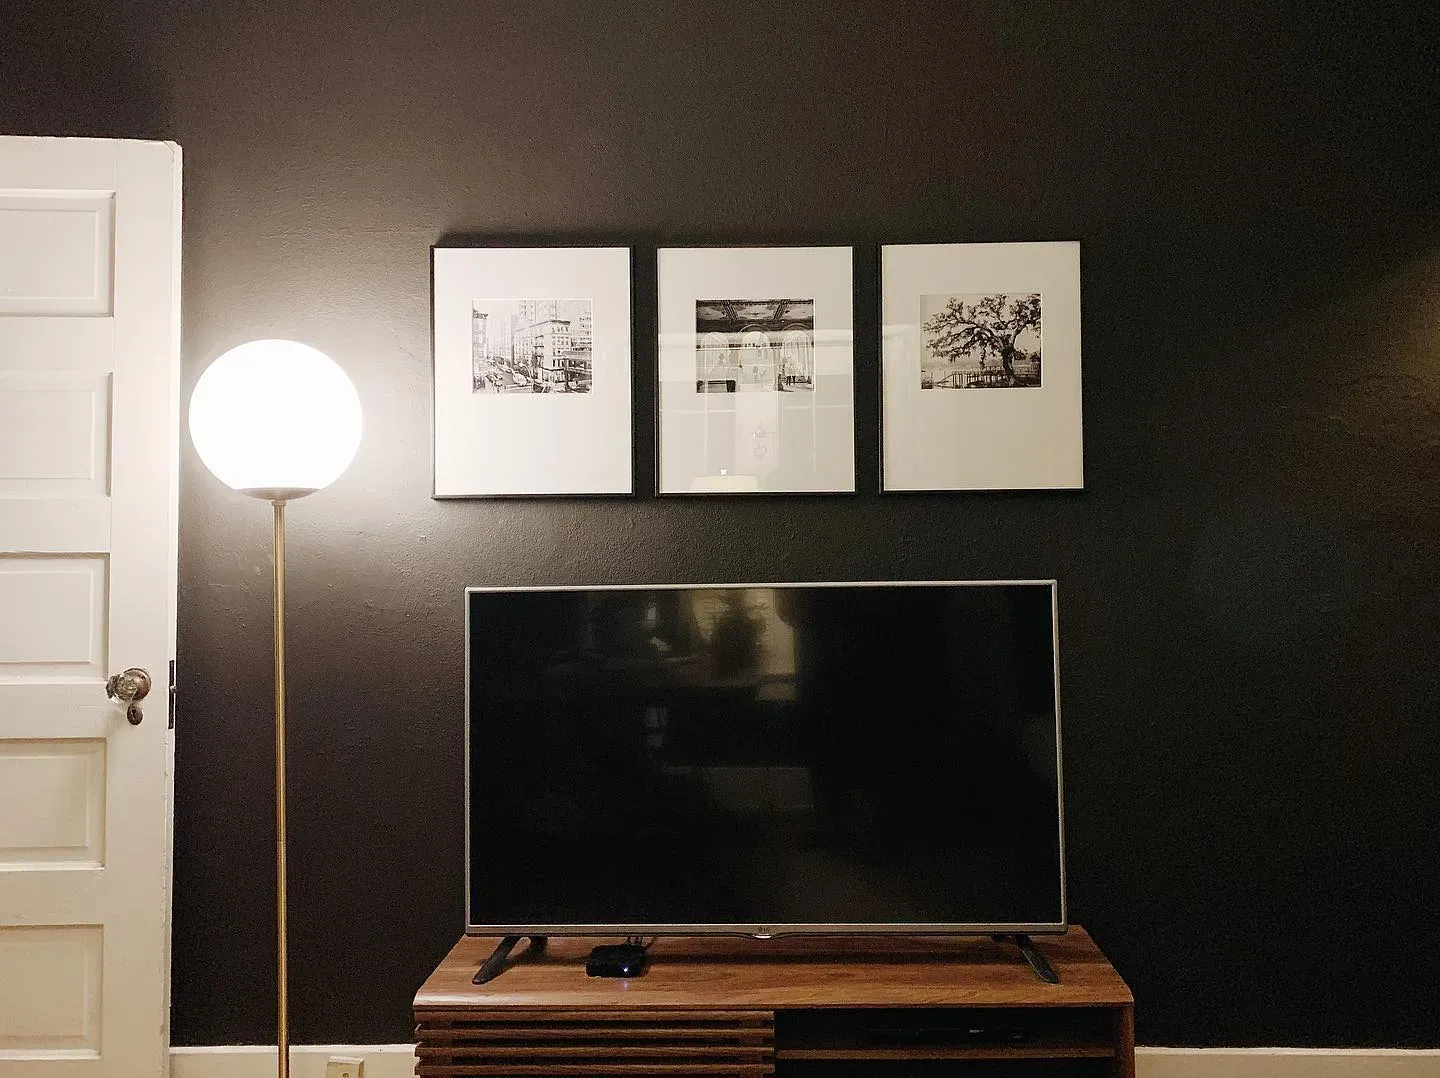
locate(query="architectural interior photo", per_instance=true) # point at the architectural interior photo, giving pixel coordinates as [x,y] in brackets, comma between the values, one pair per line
[821,540]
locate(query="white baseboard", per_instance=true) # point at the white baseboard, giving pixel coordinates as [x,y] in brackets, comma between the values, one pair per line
[398,1061]
[1286,1063]
[306,1061]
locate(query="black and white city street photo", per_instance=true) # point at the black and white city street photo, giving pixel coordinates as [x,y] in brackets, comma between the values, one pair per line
[753,345]
[530,345]
[982,341]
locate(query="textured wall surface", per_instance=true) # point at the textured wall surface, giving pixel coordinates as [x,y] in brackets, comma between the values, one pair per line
[1250,585]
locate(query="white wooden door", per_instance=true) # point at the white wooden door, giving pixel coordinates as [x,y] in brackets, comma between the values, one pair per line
[89,422]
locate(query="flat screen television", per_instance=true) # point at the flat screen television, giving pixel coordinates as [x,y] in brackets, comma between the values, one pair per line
[764,759]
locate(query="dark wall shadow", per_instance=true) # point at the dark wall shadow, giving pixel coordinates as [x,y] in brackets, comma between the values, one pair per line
[81,70]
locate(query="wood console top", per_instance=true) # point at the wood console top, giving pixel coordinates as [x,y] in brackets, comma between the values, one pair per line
[741,973]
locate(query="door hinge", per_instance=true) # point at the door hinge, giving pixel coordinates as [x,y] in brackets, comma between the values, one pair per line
[172,694]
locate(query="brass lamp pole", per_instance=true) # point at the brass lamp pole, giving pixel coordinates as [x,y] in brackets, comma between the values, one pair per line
[282,913]
[276,420]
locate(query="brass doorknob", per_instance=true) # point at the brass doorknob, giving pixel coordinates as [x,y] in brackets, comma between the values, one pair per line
[129,688]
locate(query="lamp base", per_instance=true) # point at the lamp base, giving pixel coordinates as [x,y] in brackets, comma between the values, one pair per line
[277,494]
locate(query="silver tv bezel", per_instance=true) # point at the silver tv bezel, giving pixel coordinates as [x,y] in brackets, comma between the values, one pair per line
[768,931]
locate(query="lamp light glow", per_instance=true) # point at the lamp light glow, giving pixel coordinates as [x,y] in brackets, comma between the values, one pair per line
[275,419]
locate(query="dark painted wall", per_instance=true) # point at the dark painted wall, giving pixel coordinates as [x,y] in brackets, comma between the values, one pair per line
[1250,585]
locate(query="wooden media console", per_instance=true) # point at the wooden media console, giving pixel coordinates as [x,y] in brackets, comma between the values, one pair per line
[798,1007]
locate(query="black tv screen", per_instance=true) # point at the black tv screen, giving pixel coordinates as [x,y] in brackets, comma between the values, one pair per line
[764,759]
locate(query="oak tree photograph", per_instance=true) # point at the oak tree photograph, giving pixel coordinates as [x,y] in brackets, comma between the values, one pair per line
[980,341]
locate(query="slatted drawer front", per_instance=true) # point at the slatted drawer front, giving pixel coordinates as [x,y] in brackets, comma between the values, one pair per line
[477,1042]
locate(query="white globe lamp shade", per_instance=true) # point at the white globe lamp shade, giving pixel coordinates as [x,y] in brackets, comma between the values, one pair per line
[275,419]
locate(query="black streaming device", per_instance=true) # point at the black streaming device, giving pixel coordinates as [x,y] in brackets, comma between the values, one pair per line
[616,960]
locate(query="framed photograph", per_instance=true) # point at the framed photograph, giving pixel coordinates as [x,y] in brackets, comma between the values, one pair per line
[532,371]
[981,358]
[757,370]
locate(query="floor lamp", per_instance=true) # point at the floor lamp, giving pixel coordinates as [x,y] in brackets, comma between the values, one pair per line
[276,420]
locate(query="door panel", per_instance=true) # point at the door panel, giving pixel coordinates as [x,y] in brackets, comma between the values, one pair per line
[52,803]
[89,430]
[54,624]
[50,983]
[55,433]
[68,241]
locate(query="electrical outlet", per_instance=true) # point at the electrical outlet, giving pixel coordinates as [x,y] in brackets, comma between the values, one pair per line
[344,1067]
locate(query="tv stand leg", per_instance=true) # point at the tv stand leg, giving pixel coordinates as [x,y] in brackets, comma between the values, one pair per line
[1038,962]
[495,964]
